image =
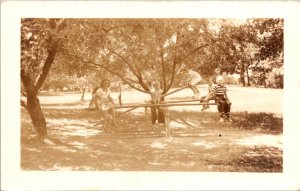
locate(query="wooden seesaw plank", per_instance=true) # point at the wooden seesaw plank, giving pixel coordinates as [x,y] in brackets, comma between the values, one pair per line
[162,105]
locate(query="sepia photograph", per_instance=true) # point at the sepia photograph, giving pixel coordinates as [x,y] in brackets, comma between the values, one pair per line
[152,94]
[117,96]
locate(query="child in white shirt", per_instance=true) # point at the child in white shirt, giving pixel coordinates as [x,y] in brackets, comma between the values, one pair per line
[105,102]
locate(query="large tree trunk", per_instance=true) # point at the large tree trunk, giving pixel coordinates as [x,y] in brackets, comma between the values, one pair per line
[248,78]
[161,114]
[242,76]
[36,115]
[264,79]
[33,107]
[158,114]
[32,89]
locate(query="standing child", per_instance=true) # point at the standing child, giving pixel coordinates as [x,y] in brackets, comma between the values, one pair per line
[156,112]
[221,98]
[105,102]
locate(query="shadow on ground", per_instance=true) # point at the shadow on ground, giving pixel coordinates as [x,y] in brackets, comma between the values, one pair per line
[76,141]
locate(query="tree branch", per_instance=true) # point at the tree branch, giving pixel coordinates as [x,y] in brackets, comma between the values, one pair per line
[193,52]
[173,67]
[137,74]
[124,79]
[48,63]
[163,71]
[174,91]
[172,76]
[23,104]
[45,87]
[126,62]
[23,93]
[175,62]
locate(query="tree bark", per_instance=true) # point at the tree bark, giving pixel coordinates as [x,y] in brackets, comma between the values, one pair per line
[32,89]
[48,63]
[157,113]
[242,76]
[37,116]
[264,79]
[248,78]
[33,107]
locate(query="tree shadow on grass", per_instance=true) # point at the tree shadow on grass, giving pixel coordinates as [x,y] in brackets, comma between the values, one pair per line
[58,93]
[257,159]
[262,122]
[66,113]
[66,105]
[74,143]
[179,120]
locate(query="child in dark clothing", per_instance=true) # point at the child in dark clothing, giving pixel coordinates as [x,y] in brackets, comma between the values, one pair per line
[219,91]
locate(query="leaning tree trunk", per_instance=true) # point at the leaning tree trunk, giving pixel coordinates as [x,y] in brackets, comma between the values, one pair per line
[33,106]
[32,88]
[36,115]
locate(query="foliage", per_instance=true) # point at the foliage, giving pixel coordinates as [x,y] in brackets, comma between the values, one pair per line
[34,41]
[135,50]
[39,44]
[269,58]
[138,51]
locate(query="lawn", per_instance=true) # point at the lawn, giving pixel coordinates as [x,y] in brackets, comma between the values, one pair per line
[198,142]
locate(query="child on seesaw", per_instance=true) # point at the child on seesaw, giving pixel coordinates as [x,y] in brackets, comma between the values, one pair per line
[192,79]
[106,103]
[219,91]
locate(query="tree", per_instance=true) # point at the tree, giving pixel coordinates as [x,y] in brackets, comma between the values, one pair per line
[270,56]
[131,49]
[236,43]
[39,46]
[137,51]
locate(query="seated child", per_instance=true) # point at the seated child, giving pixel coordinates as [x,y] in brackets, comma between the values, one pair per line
[193,79]
[221,98]
[105,102]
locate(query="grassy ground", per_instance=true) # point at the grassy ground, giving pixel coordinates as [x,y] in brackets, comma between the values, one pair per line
[251,143]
